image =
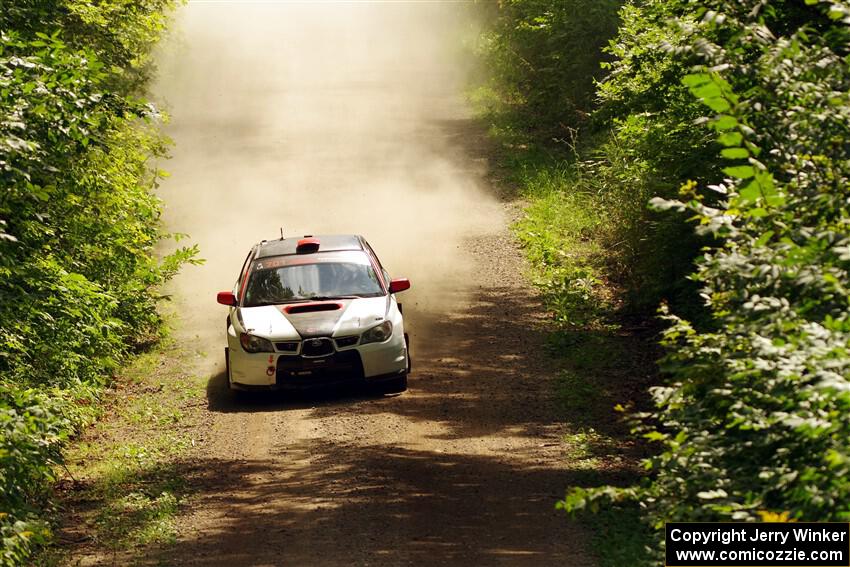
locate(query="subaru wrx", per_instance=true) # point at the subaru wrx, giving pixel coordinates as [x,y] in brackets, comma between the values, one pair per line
[315,311]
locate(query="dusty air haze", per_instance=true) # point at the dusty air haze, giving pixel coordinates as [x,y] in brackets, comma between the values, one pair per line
[320,117]
[349,117]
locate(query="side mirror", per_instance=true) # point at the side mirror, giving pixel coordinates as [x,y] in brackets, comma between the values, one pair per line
[226,298]
[399,284]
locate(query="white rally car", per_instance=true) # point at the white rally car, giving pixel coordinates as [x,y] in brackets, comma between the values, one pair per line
[315,311]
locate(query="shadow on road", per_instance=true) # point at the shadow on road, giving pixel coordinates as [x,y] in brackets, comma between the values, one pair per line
[221,399]
[393,506]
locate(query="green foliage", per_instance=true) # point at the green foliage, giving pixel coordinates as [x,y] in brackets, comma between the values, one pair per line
[754,420]
[759,407]
[131,463]
[612,100]
[78,227]
[120,33]
[654,143]
[543,58]
[619,537]
[30,433]
[559,232]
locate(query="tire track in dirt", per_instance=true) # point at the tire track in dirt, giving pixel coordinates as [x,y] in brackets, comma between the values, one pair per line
[347,117]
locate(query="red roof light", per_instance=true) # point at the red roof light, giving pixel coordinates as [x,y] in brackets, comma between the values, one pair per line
[307,246]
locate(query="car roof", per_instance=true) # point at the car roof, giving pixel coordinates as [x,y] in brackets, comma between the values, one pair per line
[327,243]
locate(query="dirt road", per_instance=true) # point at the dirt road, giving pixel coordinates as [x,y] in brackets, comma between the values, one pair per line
[348,117]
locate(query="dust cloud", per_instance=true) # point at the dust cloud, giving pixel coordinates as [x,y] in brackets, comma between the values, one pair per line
[320,117]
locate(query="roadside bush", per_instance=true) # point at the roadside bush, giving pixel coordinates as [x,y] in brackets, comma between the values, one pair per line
[78,226]
[654,142]
[568,85]
[756,419]
[32,429]
[120,33]
[754,422]
[542,59]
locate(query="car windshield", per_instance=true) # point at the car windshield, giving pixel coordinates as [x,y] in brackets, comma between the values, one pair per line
[271,283]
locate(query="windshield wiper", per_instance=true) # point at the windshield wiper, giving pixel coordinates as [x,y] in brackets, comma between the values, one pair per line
[304,300]
[283,302]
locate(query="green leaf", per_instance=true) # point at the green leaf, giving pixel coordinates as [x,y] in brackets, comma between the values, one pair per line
[717,104]
[735,153]
[740,171]
[731,138]
[708,90]
[764,238]
[696,79]
[750,193]
[765,181]
[725,122]
[775,200]
[655,436]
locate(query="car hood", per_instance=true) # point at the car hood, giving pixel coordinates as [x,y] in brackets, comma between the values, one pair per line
[352,317]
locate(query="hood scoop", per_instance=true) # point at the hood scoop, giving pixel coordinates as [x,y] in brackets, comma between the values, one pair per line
[311,308]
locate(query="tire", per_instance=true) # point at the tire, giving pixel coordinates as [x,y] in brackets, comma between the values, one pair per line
[227,369]
[396,385]
[407,348]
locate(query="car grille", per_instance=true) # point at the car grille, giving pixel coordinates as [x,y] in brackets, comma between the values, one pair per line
[343,342]
[290,346]
[317,347]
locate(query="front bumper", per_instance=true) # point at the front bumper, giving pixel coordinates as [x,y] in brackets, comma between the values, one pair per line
[367,364]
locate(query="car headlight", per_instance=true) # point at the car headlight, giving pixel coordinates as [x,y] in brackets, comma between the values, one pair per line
[378,333]
[252,343]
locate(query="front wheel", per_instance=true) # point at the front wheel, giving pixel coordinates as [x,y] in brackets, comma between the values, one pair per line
[407,348]
[227,369]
